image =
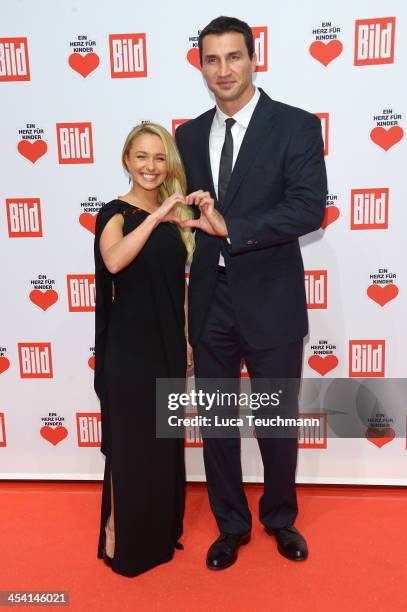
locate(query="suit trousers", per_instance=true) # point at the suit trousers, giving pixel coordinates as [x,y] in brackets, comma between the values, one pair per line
[218,354]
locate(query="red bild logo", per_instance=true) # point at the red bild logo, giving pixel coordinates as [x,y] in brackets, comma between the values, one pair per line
[193,438]
[81,292]
[366,358]
[324,117]
[24,217]
[316,286]
[14,65]
[128,56]
[260,35]
[374,41]
[89,428]
[369,208]
[3,441]
[75,145]
[35,359]
[313,436]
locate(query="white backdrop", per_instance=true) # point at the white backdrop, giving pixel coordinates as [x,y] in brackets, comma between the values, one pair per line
[63,120]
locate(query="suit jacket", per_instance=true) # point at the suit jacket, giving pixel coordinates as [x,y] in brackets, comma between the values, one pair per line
[277,193]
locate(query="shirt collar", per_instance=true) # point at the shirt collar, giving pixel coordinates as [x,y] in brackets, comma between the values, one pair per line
[244,115]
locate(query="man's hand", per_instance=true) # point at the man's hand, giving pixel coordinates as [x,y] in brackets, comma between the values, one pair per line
[211,221]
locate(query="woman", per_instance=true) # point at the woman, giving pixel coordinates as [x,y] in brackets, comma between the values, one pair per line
[140,256]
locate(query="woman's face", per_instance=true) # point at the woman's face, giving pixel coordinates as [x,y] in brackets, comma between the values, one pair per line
[147,162]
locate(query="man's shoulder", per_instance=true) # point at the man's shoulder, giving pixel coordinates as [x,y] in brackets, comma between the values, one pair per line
[193,125]
[294,116]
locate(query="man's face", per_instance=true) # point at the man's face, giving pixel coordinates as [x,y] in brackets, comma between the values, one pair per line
[226,65]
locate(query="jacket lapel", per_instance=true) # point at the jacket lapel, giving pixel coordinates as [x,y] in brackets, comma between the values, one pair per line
[257,130]
[204,143]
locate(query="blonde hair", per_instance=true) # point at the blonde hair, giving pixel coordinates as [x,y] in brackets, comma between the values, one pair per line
[175,181]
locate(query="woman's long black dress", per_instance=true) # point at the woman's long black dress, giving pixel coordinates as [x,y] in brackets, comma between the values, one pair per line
[140,337]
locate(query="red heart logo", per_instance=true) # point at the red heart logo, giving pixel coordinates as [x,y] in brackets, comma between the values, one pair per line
[193,57]
[88,221]
[84,64]
[4,364]
[331,215]
[32,150]
[386,138]
[54,434]
[43,299]
[325,52]
[382,293]
[91,362]
[323,363]
[380,437]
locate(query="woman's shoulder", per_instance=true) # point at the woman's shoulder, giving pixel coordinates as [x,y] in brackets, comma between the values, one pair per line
[113,206]
[107,211]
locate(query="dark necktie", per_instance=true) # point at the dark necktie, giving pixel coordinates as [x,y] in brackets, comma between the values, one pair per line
[226,161]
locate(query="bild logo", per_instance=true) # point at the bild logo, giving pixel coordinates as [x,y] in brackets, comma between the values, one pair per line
[313,436]
[89,428]
[35,359]
[324,117]
[75,144]
[374,41]
[3,441]
[366,358]
[316,285]
[369,208]
[24,217]
[14,64]
[81,292]
[128,56]
[193,438]
[261,47]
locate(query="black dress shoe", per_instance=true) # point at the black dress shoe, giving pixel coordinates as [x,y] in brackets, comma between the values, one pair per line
[290,543]
[223,552]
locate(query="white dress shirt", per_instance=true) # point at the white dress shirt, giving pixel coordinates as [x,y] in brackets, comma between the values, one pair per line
[217,138]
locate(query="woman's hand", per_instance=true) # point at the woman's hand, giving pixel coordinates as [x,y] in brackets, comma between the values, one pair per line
[166,211]
[211,221]
[190,360]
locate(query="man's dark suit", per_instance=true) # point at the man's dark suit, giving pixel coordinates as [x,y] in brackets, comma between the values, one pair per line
[276,194]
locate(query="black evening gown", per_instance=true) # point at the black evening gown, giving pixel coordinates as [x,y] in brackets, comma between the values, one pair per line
[139,336]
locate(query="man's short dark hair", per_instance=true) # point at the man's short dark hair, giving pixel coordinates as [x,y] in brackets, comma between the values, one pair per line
[221,25]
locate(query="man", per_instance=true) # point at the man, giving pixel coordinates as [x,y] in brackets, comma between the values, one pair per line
[256,171]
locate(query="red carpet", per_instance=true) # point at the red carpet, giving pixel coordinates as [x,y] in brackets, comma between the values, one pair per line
[357,539]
